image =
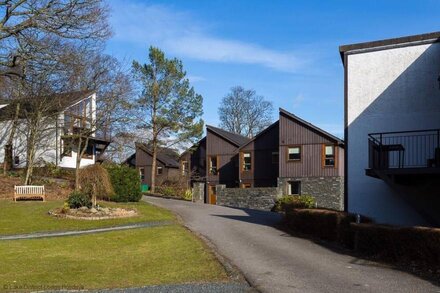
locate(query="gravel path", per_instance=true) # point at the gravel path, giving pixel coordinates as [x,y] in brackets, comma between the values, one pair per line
[84,232]
[273,261]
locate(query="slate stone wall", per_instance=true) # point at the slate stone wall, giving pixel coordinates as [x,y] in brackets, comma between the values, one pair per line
[262,198]
[198,192]
[328,191]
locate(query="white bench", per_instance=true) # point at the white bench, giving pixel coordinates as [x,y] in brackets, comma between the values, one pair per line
[29,192]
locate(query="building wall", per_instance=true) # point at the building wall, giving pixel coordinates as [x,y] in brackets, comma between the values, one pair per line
[227,155]
[387,90]
[251,198]
[311,143]
[144,160]
[264,172]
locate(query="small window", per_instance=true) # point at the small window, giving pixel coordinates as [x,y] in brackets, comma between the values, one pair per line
[294,153]
[246,185]
[275,158]
[213,165]
[16,160]
[294,188]
[184,167]
[159,170]
[247,162]
[142,173]
[329,155]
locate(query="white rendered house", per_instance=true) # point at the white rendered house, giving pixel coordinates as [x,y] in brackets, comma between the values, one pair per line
[392,129]
[72,113]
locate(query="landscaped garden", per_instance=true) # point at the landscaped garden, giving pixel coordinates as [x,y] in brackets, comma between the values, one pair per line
[163,254]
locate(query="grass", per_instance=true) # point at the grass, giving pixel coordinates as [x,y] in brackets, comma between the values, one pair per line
[32,216]
[120,259]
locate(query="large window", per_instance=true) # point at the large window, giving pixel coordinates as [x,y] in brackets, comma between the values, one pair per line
[294,187]
[329,155]
[247,161]
[294,153]
[213,167]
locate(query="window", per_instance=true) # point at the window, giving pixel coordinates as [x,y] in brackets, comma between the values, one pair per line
[294,187]
[159,170]
[213,165]
[275,158]
[247,162]
[329,155]
[294,153]
[184,167]
[142,173]
[246,185]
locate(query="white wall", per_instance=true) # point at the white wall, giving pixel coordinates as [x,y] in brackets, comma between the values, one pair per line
[388,90]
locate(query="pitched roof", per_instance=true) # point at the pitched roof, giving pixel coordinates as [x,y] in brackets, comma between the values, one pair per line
[57,103]
[261,133]
[312,127]
[234,138]
[165,155]
[382,44]
[193,147]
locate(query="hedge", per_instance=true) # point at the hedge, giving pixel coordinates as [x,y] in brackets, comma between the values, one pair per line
[126,183]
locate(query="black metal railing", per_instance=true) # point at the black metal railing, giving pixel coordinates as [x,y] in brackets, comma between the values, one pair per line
[405,149]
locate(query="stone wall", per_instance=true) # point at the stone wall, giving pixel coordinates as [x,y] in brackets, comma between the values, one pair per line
[262,198]
[198,192]
[328,191]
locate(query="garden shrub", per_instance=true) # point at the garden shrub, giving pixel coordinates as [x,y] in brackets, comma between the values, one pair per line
[188,195]
[294,201]
[79,199]
[94,181]
[126,183]
[173,188]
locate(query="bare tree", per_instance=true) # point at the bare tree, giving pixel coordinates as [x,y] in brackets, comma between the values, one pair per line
[244,112]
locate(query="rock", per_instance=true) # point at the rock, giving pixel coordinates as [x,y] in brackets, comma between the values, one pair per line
[93,210]
[105,210]
[83,208]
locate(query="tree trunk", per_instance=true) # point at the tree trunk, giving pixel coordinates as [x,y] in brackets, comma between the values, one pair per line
[78,163]
[154,166]
[8,160]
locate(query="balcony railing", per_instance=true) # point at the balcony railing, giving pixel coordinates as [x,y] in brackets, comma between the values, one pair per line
[406,149]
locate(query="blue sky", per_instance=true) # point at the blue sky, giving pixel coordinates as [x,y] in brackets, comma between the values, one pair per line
[286,50]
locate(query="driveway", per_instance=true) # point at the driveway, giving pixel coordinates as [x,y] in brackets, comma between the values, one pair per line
[273,261]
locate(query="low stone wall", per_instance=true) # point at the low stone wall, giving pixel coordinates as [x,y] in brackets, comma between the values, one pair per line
[328,191]
[198,192]
[262,198]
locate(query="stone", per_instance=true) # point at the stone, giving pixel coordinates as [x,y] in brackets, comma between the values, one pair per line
[93,210]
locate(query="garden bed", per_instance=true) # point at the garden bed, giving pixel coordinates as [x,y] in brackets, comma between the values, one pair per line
[98,213]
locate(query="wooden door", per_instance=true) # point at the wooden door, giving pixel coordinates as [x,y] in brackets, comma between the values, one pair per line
[212,194]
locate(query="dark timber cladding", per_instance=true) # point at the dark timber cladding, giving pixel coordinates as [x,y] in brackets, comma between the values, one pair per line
[295,132]
[264,159]
[194,160]
[221,150]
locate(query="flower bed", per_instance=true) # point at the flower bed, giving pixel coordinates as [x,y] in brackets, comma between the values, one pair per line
[98,213]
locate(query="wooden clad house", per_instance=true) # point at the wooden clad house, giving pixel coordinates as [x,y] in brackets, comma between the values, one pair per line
[222,159]
[192,163]
[310,161]
[167,167]
[259,159]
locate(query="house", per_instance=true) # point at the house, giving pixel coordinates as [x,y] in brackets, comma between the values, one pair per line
[193,163]
[392,129]
[222,159]
[68,115]
[167,167]
[311,161]
[259,159]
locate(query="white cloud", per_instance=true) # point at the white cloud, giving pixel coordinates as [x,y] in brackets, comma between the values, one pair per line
[180,34]
[195,78]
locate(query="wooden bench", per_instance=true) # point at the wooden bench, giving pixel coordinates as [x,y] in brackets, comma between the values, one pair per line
[29,192]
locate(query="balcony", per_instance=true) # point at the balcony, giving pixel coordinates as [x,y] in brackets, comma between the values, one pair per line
[404,156]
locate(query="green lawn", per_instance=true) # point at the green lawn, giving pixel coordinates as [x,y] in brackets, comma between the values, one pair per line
[130,258]
[32,216]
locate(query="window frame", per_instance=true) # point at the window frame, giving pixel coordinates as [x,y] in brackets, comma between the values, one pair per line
[217,165]
[142,173]
[157,170]
[184,166]
[243,163]
[290,187]
[324,156]
[300,153]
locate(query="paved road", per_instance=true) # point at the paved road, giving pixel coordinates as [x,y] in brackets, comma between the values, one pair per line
[275,262]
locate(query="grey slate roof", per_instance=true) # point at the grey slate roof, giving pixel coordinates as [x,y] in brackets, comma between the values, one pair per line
[166,156]
[312,127]
[234,138]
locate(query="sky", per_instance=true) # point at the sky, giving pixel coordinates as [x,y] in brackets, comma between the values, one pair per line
[287,51]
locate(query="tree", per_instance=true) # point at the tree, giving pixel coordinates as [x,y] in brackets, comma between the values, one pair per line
[169,106]
[244,112]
